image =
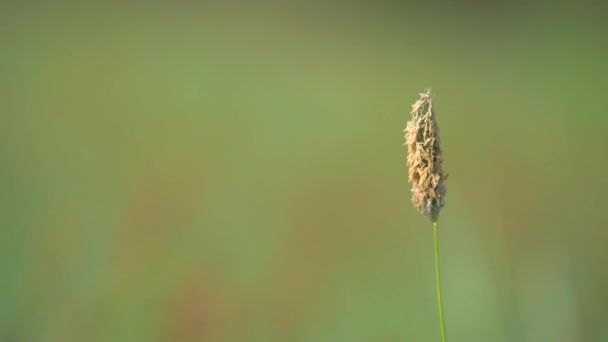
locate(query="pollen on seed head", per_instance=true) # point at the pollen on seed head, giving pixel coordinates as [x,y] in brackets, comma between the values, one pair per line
[424,159]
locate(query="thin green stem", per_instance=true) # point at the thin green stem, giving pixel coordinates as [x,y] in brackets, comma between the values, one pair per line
[438,277]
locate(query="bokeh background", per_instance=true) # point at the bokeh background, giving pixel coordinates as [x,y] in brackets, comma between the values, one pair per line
[234,171]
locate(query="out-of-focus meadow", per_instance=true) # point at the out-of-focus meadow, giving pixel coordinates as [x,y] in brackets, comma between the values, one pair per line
[235,171]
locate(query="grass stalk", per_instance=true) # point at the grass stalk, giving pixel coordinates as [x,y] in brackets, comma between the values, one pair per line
[426,174]
[438,278]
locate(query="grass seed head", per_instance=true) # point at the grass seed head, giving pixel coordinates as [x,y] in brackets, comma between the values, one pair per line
[424,159]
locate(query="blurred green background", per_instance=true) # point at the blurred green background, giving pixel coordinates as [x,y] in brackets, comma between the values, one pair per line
[234,171]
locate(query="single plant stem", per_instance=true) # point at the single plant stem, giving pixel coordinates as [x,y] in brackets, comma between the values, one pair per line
[438,277]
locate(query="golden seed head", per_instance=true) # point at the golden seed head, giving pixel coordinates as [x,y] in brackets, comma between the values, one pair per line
[424,159]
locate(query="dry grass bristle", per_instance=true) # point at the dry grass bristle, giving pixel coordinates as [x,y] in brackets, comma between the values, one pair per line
[424,159]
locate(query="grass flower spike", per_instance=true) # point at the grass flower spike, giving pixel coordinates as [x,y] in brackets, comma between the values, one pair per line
[426,174]
[424,159]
